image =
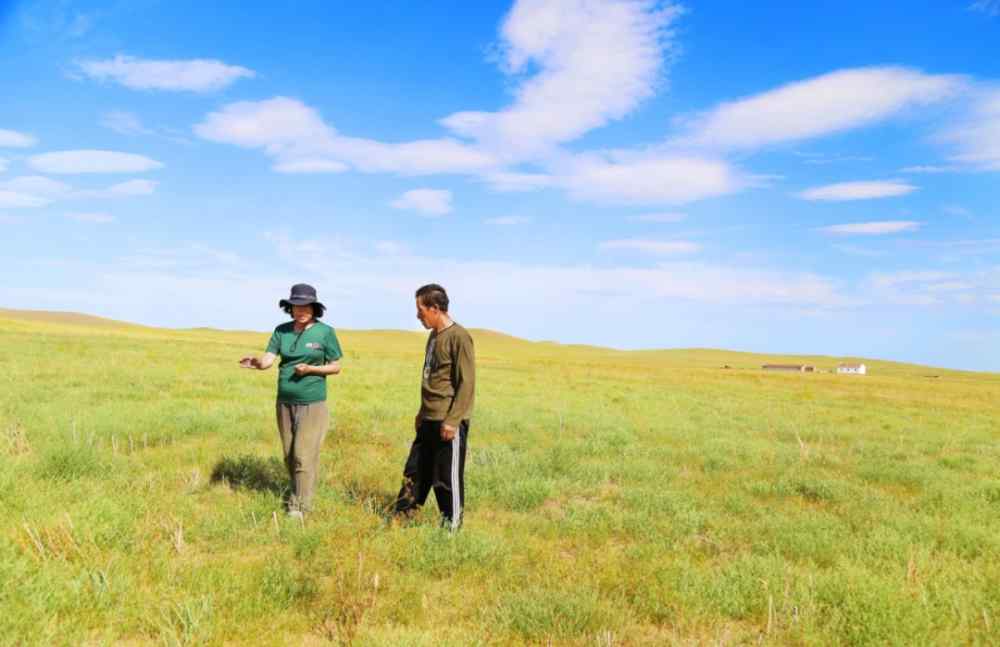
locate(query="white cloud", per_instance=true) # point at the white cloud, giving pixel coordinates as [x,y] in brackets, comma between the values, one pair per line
[593,62]
[311,166]
[507,220]
[977,137]
[15,200]
[14,139]
[823,105]
[844,191]
[36,185]
[390,247]
[552,288]
[933,287]
[653,246]
[648,179]
[121,190]
[196,75]
[955,210]
[92,161]
[930,169]
[989,7]
[133,187]
[93,218]
[3,164]
[192,258]
[959,249]
[506,181]
[668,216]
[853,250]
[124,123]
[873,228]
[949,286]
[300,141]
[894,279]
[430,202]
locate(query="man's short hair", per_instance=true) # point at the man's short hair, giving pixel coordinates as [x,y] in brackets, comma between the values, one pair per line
[432,295]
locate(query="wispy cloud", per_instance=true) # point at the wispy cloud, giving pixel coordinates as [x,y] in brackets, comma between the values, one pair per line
[507,181]
[298,139]
[429,202]
[664,217]
[869,190]
[311,166]
[831,103]
[121,190]
[926,287]
[39,191]
[508,220]
[962,248]
[196,75]
[956,210]
[15,200]
[930,169]
[14,139]
[989,7]
[91,161]
[90,217]
[854,250]
[578,82]
[977,136]
[872,228]
[649,179]
[124,123]
[660,247]
[37,185]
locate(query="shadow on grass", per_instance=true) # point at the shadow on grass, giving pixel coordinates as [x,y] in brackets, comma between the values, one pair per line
[373,499]
[252,473]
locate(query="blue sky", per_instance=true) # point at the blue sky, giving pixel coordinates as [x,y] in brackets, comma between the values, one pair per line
[629,174]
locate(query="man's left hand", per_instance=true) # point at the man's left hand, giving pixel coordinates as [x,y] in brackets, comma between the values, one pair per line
[448,432]
[303,369]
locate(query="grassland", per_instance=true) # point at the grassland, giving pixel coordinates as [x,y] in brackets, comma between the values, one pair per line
[646,498]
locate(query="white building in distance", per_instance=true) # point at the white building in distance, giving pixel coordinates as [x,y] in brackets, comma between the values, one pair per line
[852,369]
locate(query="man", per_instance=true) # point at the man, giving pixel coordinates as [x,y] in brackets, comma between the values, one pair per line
[437,455]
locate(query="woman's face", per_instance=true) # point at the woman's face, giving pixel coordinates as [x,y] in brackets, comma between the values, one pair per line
[302,314]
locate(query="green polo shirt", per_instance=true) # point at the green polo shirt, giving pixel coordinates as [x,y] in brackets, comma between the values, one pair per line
[316,345]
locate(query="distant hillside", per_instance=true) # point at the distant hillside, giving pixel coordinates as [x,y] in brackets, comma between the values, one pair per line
[493,345]
[48,316]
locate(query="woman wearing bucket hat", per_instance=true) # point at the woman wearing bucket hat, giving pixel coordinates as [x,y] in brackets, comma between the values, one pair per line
[309,351]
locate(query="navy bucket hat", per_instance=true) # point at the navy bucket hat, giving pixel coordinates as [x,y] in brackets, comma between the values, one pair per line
[302,294]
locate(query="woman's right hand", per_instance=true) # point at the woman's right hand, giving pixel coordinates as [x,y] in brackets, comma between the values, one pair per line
[250,362]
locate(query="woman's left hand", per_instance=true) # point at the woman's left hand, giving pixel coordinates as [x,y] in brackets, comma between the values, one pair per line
[303,369]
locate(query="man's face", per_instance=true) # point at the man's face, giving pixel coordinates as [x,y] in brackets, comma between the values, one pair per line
[302,314]
[427,316]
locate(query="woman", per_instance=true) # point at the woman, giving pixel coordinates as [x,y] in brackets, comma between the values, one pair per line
[309,351]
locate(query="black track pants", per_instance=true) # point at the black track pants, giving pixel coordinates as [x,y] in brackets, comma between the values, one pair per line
[439,464]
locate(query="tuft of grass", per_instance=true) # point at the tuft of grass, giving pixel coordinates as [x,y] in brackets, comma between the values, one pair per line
[72,462]
[541,615]
[251,473]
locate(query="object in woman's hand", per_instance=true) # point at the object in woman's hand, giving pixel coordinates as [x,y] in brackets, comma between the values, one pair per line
[247,362]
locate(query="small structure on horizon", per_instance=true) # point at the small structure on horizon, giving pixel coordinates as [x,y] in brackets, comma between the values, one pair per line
[852,369]
[790,368]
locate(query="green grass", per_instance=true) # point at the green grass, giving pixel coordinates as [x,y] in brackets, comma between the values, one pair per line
[613,499]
